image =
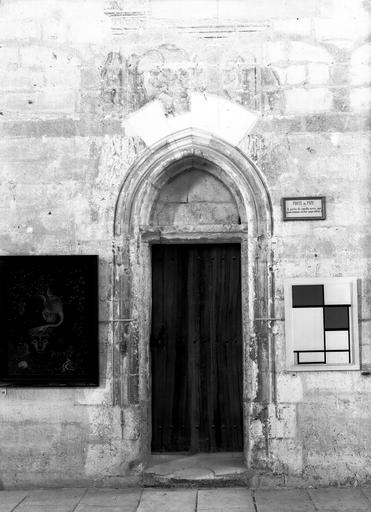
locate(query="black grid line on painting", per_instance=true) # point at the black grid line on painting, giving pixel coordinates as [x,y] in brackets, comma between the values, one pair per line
[335,327]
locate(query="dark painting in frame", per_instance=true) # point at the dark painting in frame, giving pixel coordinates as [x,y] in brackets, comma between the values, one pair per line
[49,319]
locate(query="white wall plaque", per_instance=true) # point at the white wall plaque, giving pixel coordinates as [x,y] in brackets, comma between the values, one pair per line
[304,208]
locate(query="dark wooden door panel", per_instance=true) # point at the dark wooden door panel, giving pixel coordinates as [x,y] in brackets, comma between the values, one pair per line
[221,349]
[170,420]
[196,348]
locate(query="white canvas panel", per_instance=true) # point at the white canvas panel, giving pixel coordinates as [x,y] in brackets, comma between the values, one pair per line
[307,329]
[338,293]
[336,340]
[337,358]
[312,357]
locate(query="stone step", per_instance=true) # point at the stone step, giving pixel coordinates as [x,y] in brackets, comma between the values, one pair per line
[199,470]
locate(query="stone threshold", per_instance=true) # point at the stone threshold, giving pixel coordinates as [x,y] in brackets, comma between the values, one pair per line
[225,469]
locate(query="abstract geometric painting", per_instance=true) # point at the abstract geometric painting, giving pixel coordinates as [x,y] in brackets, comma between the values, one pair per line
[48,313]
[321,322]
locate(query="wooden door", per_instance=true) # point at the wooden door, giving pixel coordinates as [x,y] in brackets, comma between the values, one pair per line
[196,348]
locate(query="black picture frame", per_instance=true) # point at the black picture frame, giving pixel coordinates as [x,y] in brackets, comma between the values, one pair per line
[49,319]
[321,216]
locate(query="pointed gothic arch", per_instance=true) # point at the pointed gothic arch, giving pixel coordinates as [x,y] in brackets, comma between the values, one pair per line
[132,268]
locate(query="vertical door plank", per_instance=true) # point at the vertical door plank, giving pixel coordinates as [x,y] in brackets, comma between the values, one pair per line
[156,345]
[193,347]
[170,418]
[208,350]
[181,420]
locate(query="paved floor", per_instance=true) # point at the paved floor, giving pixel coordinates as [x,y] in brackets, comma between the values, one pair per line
[187,500]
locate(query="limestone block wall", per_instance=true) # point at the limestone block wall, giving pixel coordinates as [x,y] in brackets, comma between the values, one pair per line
[195,198]
[73,76]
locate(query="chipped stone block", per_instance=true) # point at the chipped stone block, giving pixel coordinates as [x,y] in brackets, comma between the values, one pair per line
[300,26]
[305,52]
[15,29]
[275,52]
[282,424]
[295,74]
[196,213]
[300,101]
[345,26]
[287,455]
[360,99]
[245,9]
[9,58]
[35,103]
[20,79]
[318,73]
[289,388]
[360,74]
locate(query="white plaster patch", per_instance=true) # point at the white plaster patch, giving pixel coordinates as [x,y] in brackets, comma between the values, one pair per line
[301,52]
[208,112]
[256,429]
[360,66]
[283,423]
[275,52]
[231,9]
[289,388]
[288,452]
[346,27]
[296,74]
[300,101]
[335,139]
[360,99]
[96,396]
[301,26]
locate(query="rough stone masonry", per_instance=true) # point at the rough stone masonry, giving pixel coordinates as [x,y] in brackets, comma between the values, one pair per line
[87,89]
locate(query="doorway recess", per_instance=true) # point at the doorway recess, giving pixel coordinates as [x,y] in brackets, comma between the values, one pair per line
[196,348]
[140,224]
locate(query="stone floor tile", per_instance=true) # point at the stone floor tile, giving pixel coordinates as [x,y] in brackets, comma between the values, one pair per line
[44,507]
[367,492]
[339,500]
[51,500]
[101,508]
[125,499]
[225,509]
[56,496]
[183,500]
[9,499]
[225,499]
[283,500]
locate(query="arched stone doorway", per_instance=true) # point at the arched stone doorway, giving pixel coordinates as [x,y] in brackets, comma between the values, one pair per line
[140,222]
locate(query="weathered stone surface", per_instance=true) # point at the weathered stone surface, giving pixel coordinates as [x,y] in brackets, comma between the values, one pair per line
[84,91]
[302,100]
[225,499]
[202,500]
[60,500]
[9,500]
[283,501]
[341,500]
[168,501]
[214,469]
[126,500]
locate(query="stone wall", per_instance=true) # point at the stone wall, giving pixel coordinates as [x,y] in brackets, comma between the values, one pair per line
[85,87]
